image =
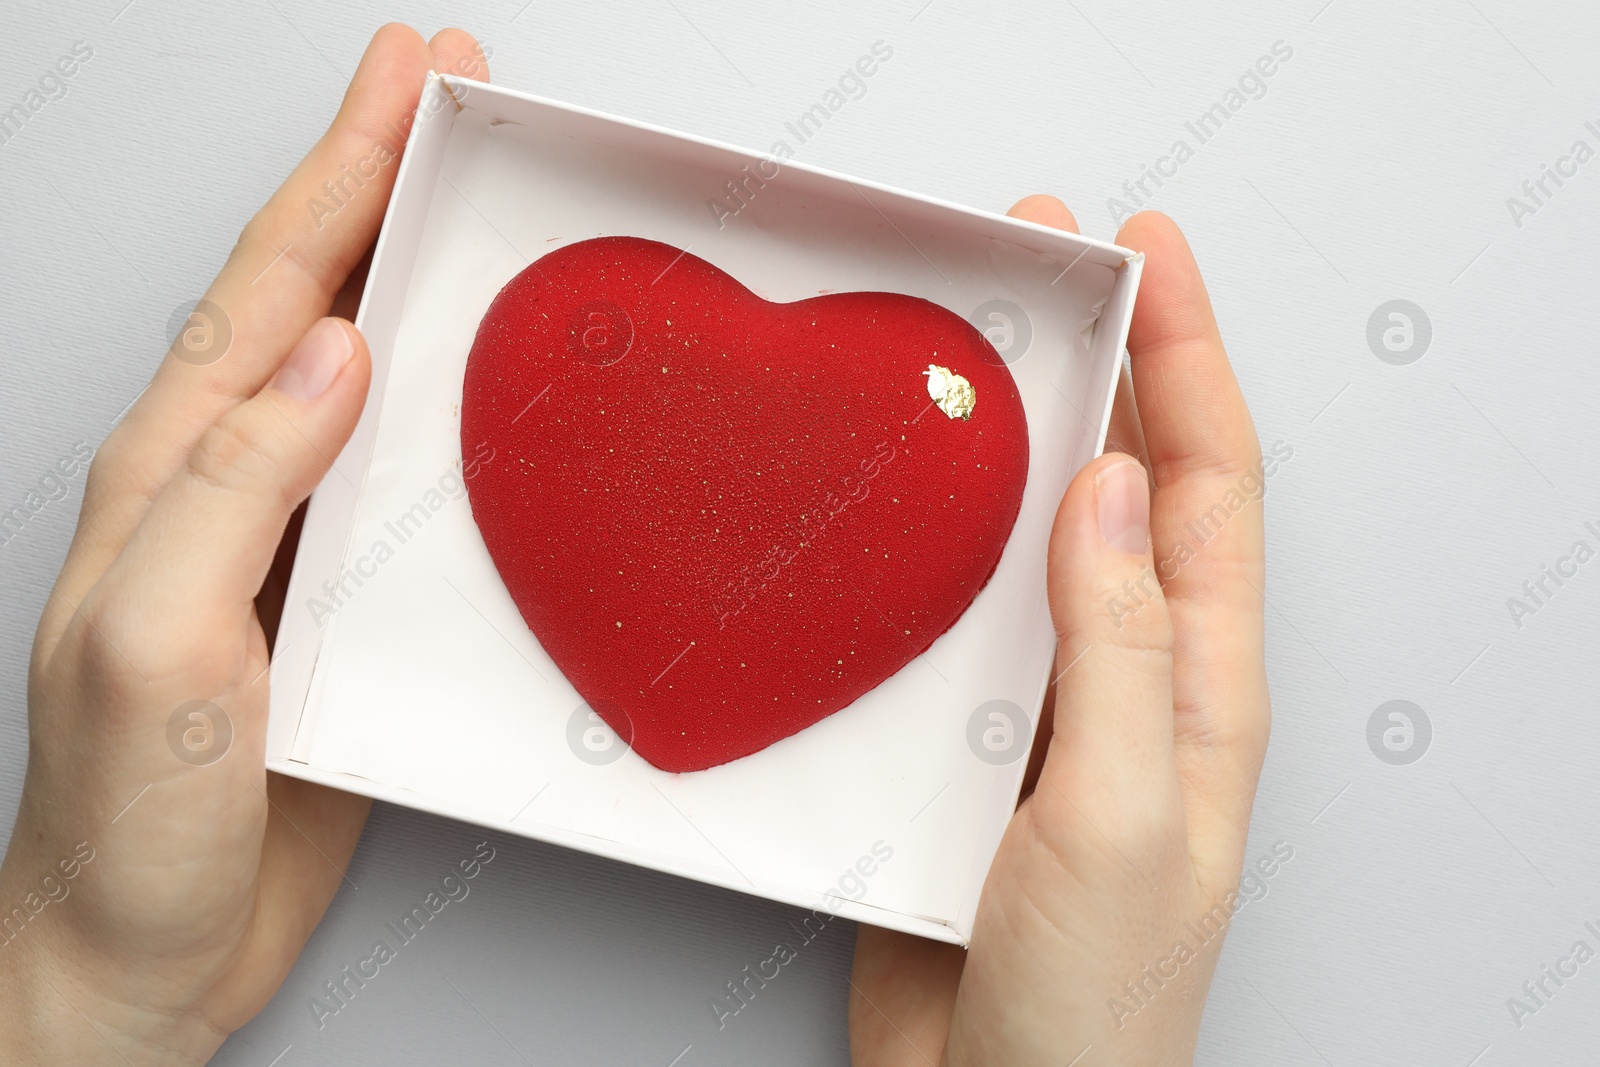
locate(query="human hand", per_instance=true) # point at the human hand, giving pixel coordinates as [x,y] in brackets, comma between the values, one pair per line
[1136,806]
[173,898]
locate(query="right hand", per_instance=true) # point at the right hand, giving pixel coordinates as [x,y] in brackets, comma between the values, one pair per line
[1137,804]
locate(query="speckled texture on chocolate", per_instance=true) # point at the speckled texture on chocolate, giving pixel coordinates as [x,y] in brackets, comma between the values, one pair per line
[726,518]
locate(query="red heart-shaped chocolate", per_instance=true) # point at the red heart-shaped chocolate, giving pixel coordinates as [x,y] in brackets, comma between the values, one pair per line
[725,518]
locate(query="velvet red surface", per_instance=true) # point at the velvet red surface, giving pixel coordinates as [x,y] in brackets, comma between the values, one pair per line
[726,518]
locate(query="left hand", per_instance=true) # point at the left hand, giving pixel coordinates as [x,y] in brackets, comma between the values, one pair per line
[192,889]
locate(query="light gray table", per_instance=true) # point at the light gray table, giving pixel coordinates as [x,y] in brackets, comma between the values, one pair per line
[1377,163]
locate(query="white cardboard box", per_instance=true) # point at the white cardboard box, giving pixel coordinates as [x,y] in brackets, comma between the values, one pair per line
[419,683]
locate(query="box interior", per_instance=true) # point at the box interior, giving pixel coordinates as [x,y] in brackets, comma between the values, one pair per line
[421,684]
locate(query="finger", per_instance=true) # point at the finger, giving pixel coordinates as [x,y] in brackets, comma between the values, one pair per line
[195,563]
[283,274]
[893,1020]
[1046,211]
[457,52]
[1111,754]
[1195,419]
[1206,523]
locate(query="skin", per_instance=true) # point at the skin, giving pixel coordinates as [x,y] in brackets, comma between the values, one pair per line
[200,896]
[202,883]
[1136,808]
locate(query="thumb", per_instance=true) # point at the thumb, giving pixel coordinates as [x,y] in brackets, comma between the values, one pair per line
[1113,741]
[202,551]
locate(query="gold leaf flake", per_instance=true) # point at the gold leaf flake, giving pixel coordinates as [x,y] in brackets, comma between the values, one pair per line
[952,393]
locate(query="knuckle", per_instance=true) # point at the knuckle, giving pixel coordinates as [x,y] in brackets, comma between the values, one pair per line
[98,475]
[1146,630]
[114,475]
[109,642]
[1131,614]
[249,237]
[122,654]
[1152,842]
[1255,731]
[1221,464]
[1133,844]
[261,241]
[241,452]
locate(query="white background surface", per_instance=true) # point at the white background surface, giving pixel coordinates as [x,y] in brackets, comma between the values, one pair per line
[1418,500]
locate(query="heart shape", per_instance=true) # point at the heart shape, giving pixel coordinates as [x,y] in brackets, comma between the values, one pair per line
[726,518]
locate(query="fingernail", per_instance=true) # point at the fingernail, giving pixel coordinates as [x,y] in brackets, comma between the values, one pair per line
[315,362]
[1122,497]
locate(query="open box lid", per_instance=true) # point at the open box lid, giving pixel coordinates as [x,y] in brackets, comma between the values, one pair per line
[407,674]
